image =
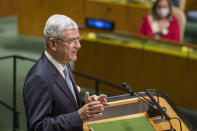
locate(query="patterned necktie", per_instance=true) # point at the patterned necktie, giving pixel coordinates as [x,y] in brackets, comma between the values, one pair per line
[69,83]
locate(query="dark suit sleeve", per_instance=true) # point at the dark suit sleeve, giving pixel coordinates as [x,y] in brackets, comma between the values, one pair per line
[38,104]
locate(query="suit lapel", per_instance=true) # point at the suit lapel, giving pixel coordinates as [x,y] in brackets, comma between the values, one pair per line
[59,80]
[63,85]
[73,83]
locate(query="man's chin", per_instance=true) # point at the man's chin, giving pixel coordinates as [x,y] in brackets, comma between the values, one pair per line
[74,59]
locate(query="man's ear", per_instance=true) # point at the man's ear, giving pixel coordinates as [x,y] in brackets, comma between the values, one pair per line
[52,44]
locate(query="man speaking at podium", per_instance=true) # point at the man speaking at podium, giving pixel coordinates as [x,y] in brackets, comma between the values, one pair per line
[51,97]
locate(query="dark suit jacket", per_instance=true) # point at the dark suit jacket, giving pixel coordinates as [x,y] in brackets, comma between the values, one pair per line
[49,103]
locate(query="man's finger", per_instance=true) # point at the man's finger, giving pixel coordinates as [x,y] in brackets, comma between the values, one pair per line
[94,98]
[96,107]
[97,115]
[106,104]
[103,100]
[93,103]
[86,97]
[94,115]
[102,96]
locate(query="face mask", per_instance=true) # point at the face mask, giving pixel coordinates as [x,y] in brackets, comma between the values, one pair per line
[163,12]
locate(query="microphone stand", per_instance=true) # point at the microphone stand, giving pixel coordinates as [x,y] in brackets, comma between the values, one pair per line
[160,109]
[152,111]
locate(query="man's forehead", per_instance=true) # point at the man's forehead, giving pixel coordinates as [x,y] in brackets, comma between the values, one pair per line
[71,33]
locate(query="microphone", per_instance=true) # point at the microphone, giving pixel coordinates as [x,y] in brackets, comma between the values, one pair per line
[157,104]
[160,109]
[133,92]
[152,111]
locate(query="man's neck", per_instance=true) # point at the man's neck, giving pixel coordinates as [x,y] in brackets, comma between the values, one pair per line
[55,57]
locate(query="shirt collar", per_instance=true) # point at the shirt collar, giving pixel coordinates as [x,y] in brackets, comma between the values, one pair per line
[60,67]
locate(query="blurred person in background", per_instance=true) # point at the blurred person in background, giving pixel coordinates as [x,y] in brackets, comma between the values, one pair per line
[161,23]
[175,3]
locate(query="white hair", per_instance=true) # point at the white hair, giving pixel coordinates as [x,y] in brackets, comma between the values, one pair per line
[55,26]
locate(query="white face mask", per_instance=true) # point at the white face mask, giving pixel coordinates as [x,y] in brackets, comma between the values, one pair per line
[163,12]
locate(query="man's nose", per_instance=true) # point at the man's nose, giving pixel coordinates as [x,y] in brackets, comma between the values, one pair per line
[78,45]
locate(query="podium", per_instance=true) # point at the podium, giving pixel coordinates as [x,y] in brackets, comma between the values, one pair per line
[128,113]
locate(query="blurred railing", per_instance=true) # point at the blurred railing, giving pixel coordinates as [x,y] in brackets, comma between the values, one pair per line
[14,106]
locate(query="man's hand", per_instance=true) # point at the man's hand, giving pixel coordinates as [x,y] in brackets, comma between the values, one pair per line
[101,98]
[91,110]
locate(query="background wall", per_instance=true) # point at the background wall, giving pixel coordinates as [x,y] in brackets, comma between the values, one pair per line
[142,68]
[8,7]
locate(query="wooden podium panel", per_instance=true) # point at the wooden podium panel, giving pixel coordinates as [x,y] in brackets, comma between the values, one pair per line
[130,108]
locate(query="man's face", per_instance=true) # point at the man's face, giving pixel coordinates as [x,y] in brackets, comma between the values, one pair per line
[67,46]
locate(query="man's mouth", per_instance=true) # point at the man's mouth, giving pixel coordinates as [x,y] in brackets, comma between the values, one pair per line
[74,52]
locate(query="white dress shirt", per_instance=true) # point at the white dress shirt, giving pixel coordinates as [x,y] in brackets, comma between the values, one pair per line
[60,67]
